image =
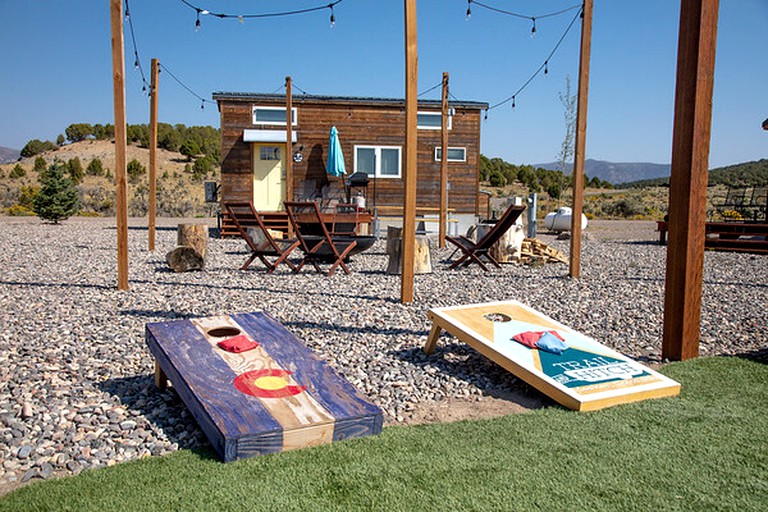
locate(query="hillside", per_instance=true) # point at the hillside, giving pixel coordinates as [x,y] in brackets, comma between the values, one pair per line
[747,174]
[615,172]
[178,193]
[8,155]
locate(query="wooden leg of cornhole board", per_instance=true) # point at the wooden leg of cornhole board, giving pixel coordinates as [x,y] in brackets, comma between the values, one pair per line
[161,381]
[434,333]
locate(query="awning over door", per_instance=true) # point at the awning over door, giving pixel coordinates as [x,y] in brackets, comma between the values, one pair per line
[266,136]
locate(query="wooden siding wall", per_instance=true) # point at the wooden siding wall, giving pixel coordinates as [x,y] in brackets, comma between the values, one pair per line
[357,125]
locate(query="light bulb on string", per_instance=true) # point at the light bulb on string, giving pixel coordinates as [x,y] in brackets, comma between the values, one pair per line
[127,11]
[136,63]
[202,105]
[197,21]
[469,9]
[485,118]
[533,28]
[144,88]
[333,17]
[513,102]
[546,67]
[240,19]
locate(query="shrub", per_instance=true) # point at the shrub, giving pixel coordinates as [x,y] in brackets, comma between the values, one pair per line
[60,140]
[35,147]
[58,199]
[78,131]
[76,172]
[17,172]
[40,165]
[27,195]
[135,171]
[95,168]
[20,211]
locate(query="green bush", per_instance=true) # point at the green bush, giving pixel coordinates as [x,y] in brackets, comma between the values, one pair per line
[20,211]
[95,168]
[35,147]
[58,199]
[76,172]
[17,172]
[78,132]
[135,171]
[27,195]
[40,165]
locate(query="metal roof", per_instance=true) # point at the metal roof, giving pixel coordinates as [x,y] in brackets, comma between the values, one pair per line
[349,100]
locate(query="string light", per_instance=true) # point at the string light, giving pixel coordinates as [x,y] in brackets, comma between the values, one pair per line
[203,101]
[544,66]
[136,60]
[518,15]
[241,17]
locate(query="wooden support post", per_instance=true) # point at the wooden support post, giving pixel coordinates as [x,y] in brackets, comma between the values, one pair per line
[581,138]
[688,183]
[444,166]
[409,172]
[153,153]
[118,89]
[289,144]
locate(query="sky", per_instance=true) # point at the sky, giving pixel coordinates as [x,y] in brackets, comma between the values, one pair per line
[56,67]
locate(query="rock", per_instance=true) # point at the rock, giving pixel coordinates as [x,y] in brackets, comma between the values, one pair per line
[24,451]
[26,410]
[184,258]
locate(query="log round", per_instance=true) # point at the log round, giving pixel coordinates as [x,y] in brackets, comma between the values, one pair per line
[195,236]
[507,249]
[422,259]
[185,258]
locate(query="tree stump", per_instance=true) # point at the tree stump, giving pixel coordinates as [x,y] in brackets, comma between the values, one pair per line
[192,245]
[507,249]
[422,259]
[195,236]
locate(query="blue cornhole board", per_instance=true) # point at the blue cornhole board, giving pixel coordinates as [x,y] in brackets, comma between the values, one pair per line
[274,397]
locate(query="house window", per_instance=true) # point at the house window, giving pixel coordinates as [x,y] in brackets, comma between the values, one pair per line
[269,153]
[454,154]
[431,121]
[272,115]
[379,161]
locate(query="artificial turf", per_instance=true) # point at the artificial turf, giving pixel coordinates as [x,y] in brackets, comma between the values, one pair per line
[704,450]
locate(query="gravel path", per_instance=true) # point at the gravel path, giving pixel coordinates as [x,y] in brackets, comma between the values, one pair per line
[76,385]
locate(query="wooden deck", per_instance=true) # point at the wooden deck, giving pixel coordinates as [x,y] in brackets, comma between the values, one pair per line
[728,236]
[277,396]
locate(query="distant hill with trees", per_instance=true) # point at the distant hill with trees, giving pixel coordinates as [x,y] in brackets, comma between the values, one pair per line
[8,155]
[747,174]
[616,172]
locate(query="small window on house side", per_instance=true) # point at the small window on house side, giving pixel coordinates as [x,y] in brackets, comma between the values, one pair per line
[272,116]
[454,154]
[431,121]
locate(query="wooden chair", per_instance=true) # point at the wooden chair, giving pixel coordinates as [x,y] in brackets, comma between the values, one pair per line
[259,239]
[307,222]
[474,251]
[345,219]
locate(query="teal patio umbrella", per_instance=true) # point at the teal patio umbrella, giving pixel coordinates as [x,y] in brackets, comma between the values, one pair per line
[335,164]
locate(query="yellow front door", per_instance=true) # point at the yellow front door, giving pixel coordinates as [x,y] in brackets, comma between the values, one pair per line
[268,176]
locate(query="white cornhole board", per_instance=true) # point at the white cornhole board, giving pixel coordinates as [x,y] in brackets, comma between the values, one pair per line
[585,377]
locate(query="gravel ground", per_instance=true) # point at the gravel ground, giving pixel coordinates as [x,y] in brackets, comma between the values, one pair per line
[76,378]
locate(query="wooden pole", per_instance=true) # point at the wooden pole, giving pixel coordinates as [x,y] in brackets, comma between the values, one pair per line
[118,87]
[688,183]
[289,139]
[444,166]
[581,136]
[409,171]
[153,152]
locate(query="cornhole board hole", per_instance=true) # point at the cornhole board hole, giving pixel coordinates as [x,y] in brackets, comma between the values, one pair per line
[274,397]
[585,376]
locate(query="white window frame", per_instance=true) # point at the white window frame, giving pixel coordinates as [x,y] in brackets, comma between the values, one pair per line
[439,149]
[433,113]
[294,116]
[377,160]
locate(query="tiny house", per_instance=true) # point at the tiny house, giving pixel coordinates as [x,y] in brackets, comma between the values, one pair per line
[254,149]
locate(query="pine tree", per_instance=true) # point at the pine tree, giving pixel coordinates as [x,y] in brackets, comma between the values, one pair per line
[58,199]
[76,172]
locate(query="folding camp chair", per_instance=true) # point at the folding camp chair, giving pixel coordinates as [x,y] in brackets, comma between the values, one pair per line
[257,236]
[345,219]
[474,251]
[316,242]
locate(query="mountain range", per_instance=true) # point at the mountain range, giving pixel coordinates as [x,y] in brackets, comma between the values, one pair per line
[616,172]
[8,155]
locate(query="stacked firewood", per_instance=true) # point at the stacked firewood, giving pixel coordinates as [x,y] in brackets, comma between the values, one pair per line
[535,252]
